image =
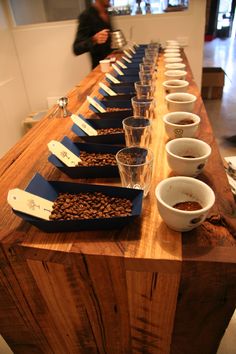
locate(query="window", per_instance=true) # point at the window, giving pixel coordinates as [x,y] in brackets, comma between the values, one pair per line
[143,7]
[27,12]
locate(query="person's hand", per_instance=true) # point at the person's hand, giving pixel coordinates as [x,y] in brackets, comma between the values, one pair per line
[101,37]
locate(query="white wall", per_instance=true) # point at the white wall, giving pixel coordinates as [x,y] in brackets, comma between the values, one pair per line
[13,99]
[50,68]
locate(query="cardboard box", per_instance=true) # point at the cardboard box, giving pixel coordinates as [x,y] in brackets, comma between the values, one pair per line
[212,83]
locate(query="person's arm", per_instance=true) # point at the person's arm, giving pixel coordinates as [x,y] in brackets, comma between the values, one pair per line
[83,42]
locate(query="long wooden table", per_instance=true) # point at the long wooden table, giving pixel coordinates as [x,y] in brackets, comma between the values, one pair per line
[141,289]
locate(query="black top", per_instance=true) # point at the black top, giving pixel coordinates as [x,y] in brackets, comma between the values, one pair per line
[89,24]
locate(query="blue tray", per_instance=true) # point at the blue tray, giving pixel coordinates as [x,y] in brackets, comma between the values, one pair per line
[117,139]
[50,190]
[124,87]
[86,171]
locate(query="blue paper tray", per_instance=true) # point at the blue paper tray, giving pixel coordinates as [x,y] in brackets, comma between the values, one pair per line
[117,139]
[124,87]
[50,190]
[86,171]
[119,97]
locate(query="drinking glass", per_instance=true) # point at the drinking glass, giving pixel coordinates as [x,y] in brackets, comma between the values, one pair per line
[137,131]
[149,61]
[147,67]
[146,77]
[135,166]
[144,90]
[143,107]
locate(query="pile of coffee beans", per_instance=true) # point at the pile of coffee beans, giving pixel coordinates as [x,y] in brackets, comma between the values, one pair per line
[132,158]
[107,131]
[97,159]
[89,206]
[116,109]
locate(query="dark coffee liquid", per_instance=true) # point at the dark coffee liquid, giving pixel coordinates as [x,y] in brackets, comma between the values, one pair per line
[185,121]
[188,206]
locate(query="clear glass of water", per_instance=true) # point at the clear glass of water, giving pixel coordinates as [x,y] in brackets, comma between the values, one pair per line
[135,166]
[137,131]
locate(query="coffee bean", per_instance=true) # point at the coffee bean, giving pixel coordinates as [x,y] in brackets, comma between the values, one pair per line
[116,109]
[89,206]
[97,159]
[107,131]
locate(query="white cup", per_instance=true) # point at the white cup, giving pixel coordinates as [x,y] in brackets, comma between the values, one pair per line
[172,46]
[175,66]
[175,74]
[172,55]
[176,125]
[173,60]
[187,156]
[172,42]
[171,86]
[180,102]
[171,50]
[105,65]
[175,190]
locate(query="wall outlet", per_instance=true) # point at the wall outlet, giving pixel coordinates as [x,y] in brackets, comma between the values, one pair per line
[183,41]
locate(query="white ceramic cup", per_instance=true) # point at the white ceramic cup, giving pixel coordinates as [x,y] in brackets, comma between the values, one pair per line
[175,86]
[175,66]
[172,46]
[187,156]
[171,50]
[175,190]
[105,65]
[180,102]
[172,42]
[175,74]
[172,55]
[173,60]
[175,129]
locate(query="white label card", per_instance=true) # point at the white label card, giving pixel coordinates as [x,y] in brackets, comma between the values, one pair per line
[29,203]
[112,78]
[115,67]
[82,124]
[127,60]
[127,54]
[132,50]
[96,104]
[107,89]
[63,154]
[122,65]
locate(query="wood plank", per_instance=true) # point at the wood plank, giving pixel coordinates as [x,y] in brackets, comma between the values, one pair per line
[205,307]
[152,303]
[95,318]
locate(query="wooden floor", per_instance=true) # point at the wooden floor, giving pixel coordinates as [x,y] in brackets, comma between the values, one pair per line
[222,53]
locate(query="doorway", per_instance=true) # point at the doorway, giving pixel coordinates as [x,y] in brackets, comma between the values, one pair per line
[225,18]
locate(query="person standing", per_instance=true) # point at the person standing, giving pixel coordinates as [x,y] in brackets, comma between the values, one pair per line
[93,33]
